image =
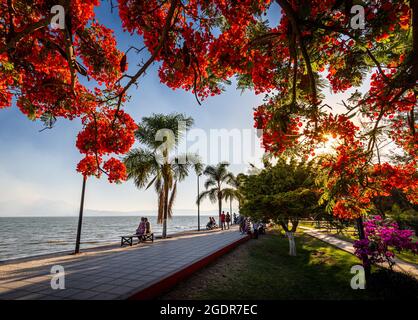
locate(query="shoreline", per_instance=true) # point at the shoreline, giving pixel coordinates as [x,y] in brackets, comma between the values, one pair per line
[111,245]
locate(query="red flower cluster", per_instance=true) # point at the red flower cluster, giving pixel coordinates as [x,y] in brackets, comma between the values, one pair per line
[104,134]
[283,135]
[346,210]
[89,166]
[116,169]
[403,177]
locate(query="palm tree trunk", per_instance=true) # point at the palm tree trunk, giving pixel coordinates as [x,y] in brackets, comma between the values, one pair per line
[220,210]
[165,213]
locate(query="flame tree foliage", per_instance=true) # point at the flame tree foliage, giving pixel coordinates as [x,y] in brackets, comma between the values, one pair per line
[283,193]
[41,68]
[199,45]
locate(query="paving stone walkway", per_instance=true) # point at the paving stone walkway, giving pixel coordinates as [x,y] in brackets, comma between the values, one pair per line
[400,266]
[117,273]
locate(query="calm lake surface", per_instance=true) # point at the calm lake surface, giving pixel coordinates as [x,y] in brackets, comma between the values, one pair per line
[31,236]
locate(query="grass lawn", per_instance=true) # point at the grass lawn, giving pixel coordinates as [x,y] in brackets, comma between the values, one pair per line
[408,256]
[262,269]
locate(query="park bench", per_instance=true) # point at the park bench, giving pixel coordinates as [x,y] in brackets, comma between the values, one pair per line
[128,240]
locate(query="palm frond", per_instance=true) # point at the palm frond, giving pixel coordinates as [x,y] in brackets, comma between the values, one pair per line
[210,171]
[151,182]
[198,167]
[212,194]
[231,194]
[217,172]
[140,165]
[149,127]
[210,183]
[229,178]
[180,170]
[182,164]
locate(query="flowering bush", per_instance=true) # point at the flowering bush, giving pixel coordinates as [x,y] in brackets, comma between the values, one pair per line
[382,238]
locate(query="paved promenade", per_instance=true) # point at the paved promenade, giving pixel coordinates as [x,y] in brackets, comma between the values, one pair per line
[113,273]
[400,266]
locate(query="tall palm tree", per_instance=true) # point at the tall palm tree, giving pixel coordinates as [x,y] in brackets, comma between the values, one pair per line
[217,176]
[155,165]
[234,193]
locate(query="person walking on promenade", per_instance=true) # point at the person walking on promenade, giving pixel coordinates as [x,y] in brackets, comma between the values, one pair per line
[235,219]
[227,220]
[223,220]
[242,225]
[249,227]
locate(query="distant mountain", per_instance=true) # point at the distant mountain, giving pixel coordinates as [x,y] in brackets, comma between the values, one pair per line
[35,208]
[47,208]
[179,212]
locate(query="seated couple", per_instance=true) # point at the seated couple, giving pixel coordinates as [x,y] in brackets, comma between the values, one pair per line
[211,224]
[144,227]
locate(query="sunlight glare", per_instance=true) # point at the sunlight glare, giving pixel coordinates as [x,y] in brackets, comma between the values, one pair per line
[328,146]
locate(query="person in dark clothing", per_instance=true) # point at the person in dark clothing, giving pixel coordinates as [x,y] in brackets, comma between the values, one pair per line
[223,220]
[147,226]
[227,219]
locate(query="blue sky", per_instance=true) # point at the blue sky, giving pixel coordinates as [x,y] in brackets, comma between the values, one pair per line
[37,169]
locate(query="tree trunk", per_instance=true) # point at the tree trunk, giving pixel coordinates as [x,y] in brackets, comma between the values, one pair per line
[290,234]
[220,210]
[414,7]
[165,213]
[292,245]
[80,217]
[365,258]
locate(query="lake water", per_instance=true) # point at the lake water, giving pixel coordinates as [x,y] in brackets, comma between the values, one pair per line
[30,236]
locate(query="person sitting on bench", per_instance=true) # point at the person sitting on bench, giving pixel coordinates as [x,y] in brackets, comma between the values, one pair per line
[211,224]
[141,228]
[147,226]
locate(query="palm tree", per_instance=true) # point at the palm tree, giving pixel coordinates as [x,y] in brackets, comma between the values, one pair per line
[234,192]
[155,165]
[217,176]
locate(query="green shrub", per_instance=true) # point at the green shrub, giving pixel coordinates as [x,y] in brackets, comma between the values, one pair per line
[406,218]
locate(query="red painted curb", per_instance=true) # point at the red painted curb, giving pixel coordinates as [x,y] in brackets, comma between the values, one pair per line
[162,286]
